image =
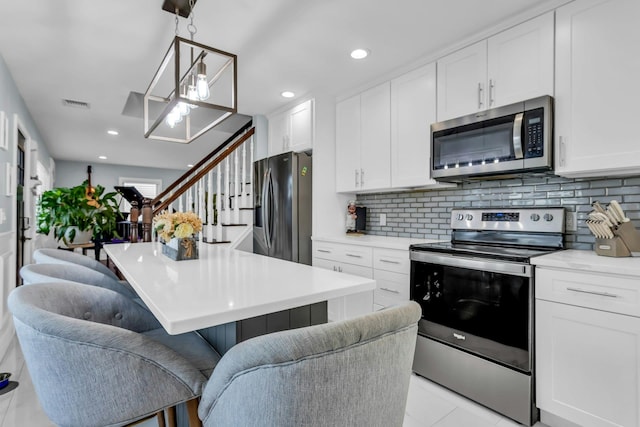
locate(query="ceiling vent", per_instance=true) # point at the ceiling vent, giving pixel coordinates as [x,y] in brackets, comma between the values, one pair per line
[75,104]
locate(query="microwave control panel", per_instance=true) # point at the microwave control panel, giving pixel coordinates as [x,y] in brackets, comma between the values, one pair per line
[534,133]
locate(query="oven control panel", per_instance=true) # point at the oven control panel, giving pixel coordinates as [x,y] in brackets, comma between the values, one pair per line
[548,220]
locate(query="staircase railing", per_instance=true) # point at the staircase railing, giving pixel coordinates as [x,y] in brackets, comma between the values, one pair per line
[195,188]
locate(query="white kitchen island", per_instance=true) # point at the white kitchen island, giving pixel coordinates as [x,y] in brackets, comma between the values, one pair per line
[224,285]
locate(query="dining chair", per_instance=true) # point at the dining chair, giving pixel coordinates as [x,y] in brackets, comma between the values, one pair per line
[98,359]
[61,256]
[350,373]
[41,273]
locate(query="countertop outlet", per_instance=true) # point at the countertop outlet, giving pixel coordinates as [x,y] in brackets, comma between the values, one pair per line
[571,221]
[383,219]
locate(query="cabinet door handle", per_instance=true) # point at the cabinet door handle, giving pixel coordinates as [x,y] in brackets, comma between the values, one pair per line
[334,268]
[354,255]
[602,294]
[390,290]
[480,103]
[491,86]
[324,251]
[562,150]
[388,261]
[340,269]
[356,175]
[362,177]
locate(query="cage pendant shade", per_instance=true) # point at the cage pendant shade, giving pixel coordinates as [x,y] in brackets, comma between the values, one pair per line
[210,78]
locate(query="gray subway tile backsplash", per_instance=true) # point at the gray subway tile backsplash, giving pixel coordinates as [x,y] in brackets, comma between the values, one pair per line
[425,214]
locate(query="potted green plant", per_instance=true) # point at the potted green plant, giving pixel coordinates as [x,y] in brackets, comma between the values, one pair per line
[70,211]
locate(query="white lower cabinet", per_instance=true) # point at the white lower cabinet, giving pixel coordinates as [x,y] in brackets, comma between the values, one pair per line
[389,267]
[587,352]
[356,260]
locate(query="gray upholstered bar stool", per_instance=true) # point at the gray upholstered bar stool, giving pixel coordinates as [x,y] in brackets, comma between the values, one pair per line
[98,359]
[350,373]
[54,256]
[40,273]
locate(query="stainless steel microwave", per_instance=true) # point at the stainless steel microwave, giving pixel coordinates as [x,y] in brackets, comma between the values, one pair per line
[503,141]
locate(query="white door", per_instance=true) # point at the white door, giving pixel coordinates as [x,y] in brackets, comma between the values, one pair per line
[348,145]
[462,82]
[301,127]
[520,62]
[375,151]
[588,365]
[413,110]
[597,88]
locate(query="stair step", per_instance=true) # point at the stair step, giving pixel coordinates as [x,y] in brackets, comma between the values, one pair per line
[215,242]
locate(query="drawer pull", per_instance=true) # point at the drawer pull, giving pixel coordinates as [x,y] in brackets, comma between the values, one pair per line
[390,290]
[389,261]
[602,294]
[354,256]
[324,251]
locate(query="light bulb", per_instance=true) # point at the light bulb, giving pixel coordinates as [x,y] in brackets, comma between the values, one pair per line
[173,117]
[183,106]
[192,92]
[202,85]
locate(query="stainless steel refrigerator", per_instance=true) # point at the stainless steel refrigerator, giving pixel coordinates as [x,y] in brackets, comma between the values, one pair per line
[282,207]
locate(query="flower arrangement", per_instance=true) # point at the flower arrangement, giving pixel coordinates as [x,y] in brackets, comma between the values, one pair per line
[178,224]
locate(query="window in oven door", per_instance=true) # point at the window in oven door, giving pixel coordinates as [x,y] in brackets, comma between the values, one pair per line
[482,312]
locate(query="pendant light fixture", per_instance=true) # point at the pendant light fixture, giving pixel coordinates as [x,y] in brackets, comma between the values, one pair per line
[194,89]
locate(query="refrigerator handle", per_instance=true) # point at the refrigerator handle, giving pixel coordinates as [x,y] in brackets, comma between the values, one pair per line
[270,212]
[265,206]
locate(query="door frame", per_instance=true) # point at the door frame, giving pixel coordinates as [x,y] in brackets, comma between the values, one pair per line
[30,151]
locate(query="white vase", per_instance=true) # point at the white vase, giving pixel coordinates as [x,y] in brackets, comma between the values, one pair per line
[80,238]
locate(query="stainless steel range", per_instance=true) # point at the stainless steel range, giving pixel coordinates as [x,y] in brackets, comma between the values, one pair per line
[476,292]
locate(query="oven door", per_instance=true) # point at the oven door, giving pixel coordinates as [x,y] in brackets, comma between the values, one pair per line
[482,306]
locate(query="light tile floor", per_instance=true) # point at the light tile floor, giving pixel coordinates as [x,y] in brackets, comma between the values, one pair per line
[428,405]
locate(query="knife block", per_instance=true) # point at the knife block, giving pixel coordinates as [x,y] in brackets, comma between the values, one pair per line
[611,247]
[630,236]
[625,243]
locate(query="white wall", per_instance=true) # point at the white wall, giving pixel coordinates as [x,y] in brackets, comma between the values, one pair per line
[13,105]
[72,173]
[329,207]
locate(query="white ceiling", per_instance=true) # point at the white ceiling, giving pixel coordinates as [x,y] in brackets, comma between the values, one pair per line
[97,51]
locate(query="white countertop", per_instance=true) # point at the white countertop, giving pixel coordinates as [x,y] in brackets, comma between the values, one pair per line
[586,261]
[376,241]
[224,285]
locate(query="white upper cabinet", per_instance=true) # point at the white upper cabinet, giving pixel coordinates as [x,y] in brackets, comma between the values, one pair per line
[462,81]
[292,130]
[363,128]
[375,109]
[413,109]
[348,145]
[512,66]
[521,62]
[597,88]
[301,126]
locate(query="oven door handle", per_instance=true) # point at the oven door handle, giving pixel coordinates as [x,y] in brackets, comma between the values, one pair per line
[495,266]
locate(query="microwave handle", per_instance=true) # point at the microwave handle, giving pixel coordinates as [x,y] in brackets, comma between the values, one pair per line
[517,136]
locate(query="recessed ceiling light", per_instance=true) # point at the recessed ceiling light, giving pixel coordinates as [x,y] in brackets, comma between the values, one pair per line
[359,53]
[102,157]
[288,94]
[112,132]
[189,166]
